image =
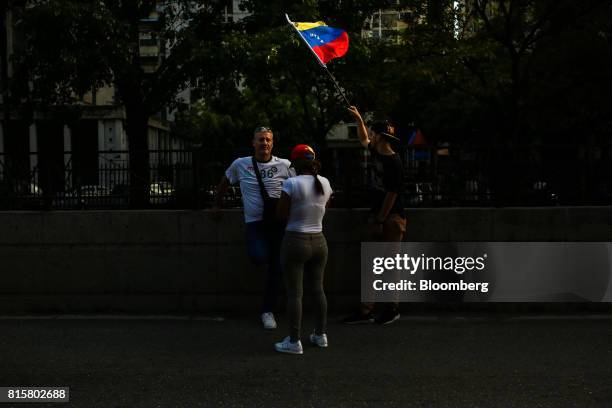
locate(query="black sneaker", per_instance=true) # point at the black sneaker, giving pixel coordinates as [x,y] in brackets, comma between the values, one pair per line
[359,318]
[387,316]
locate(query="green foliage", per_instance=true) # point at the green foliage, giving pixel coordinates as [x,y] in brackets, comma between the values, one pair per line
[493,73]
[60,51]
[509,75]
[69,47]
[515,69]
[265,75]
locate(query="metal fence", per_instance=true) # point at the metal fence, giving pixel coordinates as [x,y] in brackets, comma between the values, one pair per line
[177,179]
[433,177]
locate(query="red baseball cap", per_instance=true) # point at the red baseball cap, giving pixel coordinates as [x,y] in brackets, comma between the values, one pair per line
[302,151]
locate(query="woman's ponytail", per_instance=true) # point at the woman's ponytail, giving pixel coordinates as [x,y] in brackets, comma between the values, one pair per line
[316,166]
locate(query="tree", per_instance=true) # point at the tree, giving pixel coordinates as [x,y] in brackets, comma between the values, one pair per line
[266,74]
[512,75]
[4,7]
[96,43]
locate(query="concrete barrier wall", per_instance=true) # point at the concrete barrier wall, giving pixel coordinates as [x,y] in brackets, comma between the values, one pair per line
[182,261]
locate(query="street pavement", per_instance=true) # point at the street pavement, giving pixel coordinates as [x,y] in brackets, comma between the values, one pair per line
[448,360]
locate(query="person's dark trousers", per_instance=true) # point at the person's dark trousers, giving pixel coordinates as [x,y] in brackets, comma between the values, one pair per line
[393,230]
[263,244]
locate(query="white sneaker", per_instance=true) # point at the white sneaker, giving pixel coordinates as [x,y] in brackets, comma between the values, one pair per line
[269,323]
[317,340]
[286,346]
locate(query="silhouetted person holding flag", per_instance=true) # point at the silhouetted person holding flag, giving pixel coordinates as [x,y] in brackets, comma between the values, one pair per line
[387,221]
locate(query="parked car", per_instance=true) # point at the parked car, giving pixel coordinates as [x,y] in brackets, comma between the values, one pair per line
[161,192]
[22,195]
[84,197]
[233,197]
[94,196]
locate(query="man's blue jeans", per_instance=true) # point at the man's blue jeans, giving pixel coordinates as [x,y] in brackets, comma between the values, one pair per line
[263,244]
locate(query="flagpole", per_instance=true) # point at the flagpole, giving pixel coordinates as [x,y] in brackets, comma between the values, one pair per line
[321,63]
[348,104]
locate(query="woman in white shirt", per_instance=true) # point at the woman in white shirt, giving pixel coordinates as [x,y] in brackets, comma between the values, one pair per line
[303,201]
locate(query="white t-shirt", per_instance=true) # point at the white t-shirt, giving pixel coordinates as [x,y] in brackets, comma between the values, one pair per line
[273,173]
[307,206]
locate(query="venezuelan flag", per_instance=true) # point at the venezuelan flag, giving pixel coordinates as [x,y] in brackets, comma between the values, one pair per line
[327,42]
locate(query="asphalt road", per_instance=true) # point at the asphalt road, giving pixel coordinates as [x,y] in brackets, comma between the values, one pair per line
[448,361]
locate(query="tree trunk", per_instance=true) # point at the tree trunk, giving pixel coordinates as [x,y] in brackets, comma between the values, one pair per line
[435,12]
[4,68]
[137,132]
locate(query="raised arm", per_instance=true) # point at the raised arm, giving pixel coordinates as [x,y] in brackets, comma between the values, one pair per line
[362,131]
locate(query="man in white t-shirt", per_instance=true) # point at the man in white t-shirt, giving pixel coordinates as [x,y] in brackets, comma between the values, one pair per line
[263,236]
